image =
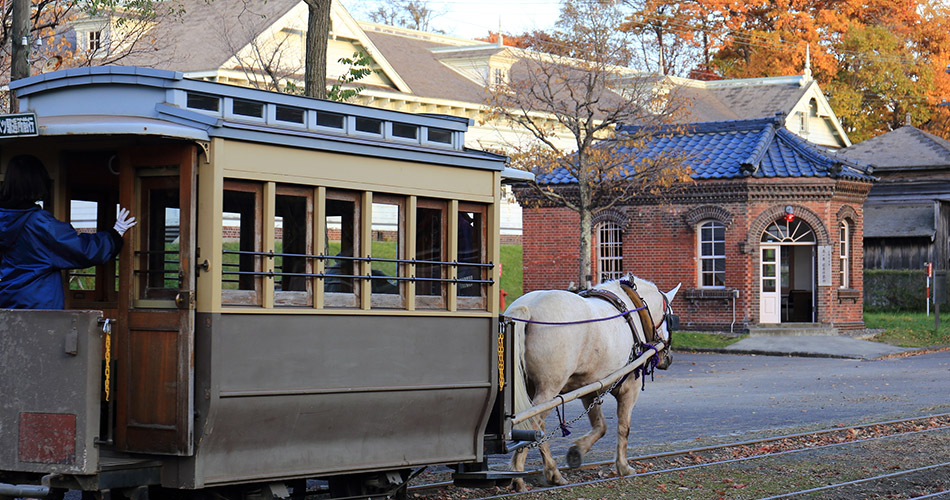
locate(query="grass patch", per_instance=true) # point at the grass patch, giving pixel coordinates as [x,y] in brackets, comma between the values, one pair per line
[512,276]
[696,340]
[909,329]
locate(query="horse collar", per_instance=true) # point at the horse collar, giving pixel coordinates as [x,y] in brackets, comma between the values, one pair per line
[646,319]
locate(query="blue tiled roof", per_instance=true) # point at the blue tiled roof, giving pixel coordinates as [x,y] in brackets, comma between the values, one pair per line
[761,148]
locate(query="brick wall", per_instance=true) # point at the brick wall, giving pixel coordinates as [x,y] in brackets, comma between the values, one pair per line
[659,244]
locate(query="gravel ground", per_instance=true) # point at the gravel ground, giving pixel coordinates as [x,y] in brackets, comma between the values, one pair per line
[852,456]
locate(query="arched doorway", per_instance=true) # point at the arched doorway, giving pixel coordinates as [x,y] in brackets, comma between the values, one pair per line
[788,272]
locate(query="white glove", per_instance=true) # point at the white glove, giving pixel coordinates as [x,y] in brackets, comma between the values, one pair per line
[123,222]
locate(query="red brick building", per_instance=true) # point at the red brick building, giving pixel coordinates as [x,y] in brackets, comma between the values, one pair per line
[769,232]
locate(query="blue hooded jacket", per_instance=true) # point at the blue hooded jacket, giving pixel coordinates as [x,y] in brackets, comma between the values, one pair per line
[35,247]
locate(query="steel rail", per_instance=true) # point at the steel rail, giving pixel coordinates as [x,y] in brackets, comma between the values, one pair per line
[587,389]
[932,495]
[709,464]
[857,481]
[689,451]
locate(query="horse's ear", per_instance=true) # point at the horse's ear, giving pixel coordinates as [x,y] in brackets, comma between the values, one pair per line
[672,293]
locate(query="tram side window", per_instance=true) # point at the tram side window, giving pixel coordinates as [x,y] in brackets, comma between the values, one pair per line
[241,259]
[430,252]
[292,229]
[83,215]
[472,250]
[95,283]
[341,226]
[160,262]
[387,247]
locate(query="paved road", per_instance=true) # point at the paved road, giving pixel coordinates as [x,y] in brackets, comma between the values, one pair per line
[706,398]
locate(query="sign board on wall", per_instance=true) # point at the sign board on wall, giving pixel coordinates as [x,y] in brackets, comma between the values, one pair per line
[824,265]
[18,125]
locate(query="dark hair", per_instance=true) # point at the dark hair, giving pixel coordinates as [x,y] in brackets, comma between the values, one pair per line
[25,181]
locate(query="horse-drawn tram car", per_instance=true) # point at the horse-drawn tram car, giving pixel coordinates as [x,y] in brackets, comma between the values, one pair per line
[309,293]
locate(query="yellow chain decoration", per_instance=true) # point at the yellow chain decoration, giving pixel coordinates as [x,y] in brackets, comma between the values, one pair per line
[108,370]
[501,359]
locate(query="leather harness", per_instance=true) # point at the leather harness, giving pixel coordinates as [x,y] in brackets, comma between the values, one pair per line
[649,335]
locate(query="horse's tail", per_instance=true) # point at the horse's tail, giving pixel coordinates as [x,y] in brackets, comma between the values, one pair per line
[519,379]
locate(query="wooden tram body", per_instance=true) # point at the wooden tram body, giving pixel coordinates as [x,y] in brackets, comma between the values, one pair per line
[309,293]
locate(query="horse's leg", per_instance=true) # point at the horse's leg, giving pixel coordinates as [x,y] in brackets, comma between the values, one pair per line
[551,473]
[598,427]
[626,396]
[517,464]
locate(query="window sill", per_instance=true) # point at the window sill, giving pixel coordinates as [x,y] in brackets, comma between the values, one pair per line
[852,294]
[708,294]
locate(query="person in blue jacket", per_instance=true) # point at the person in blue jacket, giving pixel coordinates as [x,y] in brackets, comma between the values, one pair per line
[35,246]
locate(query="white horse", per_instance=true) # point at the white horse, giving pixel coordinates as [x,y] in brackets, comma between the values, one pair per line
[556,359]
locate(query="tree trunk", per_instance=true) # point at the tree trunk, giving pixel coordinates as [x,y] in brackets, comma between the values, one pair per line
[318,32]
[586,276]
[584,212]
[20,63]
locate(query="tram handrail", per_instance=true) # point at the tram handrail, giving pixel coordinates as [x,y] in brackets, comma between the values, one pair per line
[587,389]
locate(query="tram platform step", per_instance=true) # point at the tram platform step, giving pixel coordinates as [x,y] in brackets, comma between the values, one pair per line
[792,329]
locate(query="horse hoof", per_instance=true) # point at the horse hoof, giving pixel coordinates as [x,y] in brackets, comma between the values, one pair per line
[519,486]
[574,457]
[665,361]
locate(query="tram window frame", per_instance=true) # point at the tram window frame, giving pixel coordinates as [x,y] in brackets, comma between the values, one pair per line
[146,233]
[241,109]
[378,298]
[88,176]
[100,275]
[477,301]
[250,296]
[341,298]
[424,298]
[304,235]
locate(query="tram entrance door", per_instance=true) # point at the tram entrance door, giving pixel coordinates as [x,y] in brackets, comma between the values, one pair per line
[155,338]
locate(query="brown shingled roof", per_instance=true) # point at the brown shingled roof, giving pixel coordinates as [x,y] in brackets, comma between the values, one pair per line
[207,34]
[413,59]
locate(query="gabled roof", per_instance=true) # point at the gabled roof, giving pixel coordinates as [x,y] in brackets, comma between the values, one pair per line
[208,34]
[722,100]
[906,148]
[760,148]
[416,63]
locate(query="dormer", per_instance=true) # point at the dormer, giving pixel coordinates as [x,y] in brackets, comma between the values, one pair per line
[813,120]
[487,64]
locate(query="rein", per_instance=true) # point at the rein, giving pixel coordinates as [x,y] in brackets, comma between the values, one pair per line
[578,322]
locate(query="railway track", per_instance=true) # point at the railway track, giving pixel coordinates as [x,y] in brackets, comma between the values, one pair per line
[732,456]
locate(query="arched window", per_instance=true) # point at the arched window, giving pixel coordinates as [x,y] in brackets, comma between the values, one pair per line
[712,254]
[788,231]
[844,254]
[609,246]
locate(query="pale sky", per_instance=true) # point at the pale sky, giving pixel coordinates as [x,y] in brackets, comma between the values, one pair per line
[474,18]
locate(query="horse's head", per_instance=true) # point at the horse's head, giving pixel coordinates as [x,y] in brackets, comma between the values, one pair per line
[659,304]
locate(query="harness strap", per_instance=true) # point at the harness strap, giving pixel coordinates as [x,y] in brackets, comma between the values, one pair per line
[646,319]
[621,306]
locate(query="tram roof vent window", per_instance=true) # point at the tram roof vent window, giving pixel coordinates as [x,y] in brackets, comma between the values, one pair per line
[203,102]
[330,120]
[290,115]
[368,125]
[405,131]
[250,109]
[439,135]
